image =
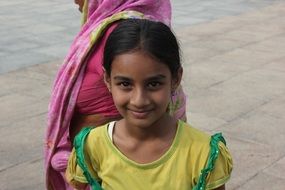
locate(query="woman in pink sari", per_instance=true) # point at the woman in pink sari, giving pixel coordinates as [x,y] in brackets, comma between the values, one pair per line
[79,95]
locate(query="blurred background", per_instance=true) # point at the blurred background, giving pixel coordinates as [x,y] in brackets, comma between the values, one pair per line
[233,55]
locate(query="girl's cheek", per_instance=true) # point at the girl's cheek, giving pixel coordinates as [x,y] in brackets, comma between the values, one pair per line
[120,98]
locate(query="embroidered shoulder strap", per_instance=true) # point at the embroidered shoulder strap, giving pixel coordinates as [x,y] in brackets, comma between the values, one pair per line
[213,155]
[78,144]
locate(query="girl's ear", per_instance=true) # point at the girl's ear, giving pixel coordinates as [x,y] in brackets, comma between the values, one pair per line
[107,80]
[176,80]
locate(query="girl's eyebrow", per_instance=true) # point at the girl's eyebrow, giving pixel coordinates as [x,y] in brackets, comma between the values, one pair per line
[156,77]
[122,78]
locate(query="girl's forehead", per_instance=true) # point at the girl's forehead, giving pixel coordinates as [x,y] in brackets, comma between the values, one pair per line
[138,63]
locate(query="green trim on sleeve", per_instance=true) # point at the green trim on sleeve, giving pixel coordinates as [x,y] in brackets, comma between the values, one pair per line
[78,144]
[213,155]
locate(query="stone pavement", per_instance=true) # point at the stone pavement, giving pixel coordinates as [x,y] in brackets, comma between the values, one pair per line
[234,74]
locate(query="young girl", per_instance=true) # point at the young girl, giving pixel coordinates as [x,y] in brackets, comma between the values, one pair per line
[79,96]
[147,148]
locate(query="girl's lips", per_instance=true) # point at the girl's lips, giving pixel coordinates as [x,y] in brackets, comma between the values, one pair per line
[140,114]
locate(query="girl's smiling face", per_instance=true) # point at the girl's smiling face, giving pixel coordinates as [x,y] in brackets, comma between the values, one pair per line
[141,88]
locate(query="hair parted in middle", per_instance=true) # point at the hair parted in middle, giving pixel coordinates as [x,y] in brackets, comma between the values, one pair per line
[154,38]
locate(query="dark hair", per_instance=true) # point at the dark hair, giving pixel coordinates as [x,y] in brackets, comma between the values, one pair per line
[154,38]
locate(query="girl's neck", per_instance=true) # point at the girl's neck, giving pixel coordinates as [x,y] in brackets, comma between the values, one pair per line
[145,145]
[165,126]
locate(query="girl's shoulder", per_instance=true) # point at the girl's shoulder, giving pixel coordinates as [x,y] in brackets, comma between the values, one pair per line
[97,141]
[199,150]
[97,133]
[198,142]
[194,135]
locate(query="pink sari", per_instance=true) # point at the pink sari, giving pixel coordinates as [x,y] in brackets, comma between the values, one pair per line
[98,15]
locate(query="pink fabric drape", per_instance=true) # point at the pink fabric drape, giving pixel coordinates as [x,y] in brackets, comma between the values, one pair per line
[93,97]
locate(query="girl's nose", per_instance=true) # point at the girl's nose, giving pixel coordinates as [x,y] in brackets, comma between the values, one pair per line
[139,98]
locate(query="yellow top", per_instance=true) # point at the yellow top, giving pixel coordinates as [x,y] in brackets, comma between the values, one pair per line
[179,168]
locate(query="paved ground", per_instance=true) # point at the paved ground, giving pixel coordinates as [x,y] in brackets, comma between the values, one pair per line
[234,74]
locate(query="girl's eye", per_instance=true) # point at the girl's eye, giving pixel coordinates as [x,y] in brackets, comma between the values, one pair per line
[154,85]
[124,85]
